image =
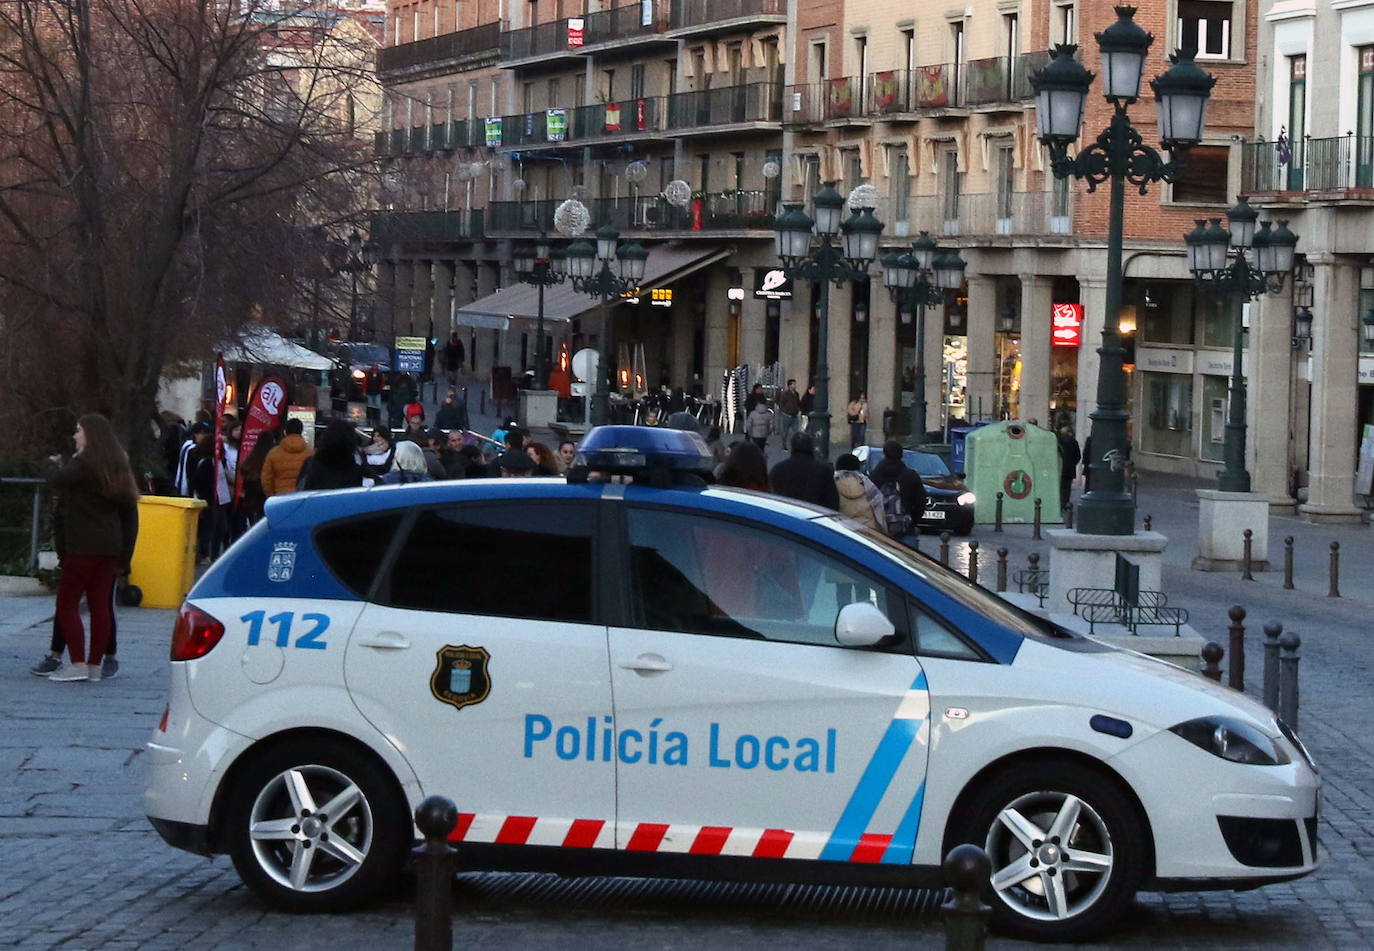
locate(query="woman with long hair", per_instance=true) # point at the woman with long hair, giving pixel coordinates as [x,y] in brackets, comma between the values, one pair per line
[94,529]
[335,463]
[745,467]
[545,462]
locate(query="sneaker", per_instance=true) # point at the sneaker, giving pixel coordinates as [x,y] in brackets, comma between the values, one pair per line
[70,672]
[47,665]
[109,668]
[93,673]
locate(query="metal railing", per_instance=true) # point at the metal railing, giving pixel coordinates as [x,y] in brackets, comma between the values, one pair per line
[753,102]
[690,13]
[437,49]
[647,114]
[25,525]
[461,133]
[979,213]
[1329,164]
[419,226]
[603,26]
[735,210]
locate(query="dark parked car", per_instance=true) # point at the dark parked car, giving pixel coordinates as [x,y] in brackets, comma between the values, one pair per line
[949,503]
[352,361]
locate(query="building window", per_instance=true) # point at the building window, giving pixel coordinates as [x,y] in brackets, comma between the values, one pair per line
[1004,167]
[1203,178]
[818,68]
[1061,215]
[637,81]
[853,169]
[1366,305]
[1168,428]
[1364,120]
[900,183]
[950,188]
[1205,25]
[1065,26]
[1297,120]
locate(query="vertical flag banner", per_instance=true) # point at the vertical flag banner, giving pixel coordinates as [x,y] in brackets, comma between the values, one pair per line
[221,399]
[264,414]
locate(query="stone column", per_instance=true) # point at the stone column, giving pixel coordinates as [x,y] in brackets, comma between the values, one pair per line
[422,300]
[982,348]
[1269,392]
[463,277]
[795,334]
[717,329]
[1335,392]
[1036,303]
[841,315]
[384,302]
[1093,294]
[753,314]
[404,307]
[680,348]
[882,362]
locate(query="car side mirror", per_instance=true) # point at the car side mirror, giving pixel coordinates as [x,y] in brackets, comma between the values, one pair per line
[861,625]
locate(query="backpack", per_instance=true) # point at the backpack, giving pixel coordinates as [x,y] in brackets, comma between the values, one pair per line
[894,510]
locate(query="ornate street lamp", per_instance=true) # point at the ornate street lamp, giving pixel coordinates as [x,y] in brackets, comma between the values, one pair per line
[1236,281]
[357,257]
[1117,156]
[536,266]
[915,280]
[823,263]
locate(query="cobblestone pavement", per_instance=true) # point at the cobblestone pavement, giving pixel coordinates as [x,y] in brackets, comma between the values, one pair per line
[80,868]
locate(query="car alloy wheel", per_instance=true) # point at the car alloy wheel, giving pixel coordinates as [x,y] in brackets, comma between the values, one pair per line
[311,828]
[1051,855]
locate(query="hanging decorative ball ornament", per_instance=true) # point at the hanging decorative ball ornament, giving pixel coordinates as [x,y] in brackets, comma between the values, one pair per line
[463,172]
[863,196]
[677,192]
[518,185]
[393,179]
[637,171]
[572,218]
[771,169]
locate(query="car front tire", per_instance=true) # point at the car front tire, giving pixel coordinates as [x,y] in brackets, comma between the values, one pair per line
[1068,850]
[317,825]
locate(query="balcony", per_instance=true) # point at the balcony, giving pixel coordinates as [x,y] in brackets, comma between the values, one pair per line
[1333,167]
[631,119]
[426,227]
[558,41]
[461,133]
[985,214]
[714,213]
[1001,80]
[445,48]
[730,108]
[712,17]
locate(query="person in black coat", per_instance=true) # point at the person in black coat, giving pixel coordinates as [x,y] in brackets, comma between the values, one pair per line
[803,477]
[452,414]
[1069,458]
[891,469]
[336,463]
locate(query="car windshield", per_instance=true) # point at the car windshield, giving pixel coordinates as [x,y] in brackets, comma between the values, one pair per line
[955,585]
[368,353]
[927,465]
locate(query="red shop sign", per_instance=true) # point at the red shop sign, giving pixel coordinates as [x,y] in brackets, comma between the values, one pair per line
[1066,325]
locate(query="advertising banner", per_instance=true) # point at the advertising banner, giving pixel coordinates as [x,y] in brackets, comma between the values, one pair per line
[556,124]
[493,131]
[576,35]
[264,414]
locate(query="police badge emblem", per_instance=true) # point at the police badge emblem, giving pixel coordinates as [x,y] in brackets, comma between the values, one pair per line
[460,676]
[282,563]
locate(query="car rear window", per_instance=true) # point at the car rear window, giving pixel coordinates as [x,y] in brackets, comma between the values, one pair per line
[353,548]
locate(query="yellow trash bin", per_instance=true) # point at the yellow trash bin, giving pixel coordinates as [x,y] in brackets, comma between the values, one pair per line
[164,565]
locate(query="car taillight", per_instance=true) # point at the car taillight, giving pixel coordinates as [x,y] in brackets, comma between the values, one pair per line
[195,635]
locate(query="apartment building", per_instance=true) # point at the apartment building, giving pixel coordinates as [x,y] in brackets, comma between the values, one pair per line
[1312,162]
[749,102]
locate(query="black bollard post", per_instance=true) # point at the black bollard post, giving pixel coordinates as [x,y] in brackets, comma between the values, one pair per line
[1001,569]
[1036,534]
[1068,516]
[1247,556]
[1288,563]
[1334,591]
[944,548]
[434,875]
[1235,670]
[1148,519]
[1288,679]
[1272,630]
[1211,660]
[967,871]
[997,514]
[973,560]
[1033,571]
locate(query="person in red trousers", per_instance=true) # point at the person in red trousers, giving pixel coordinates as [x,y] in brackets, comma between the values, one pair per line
[94,530]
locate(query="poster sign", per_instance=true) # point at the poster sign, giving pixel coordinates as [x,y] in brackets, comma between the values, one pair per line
[556,124]
[576,32]
[772,283]
[264,414]
[306,414]
[613,117]
[410,355]
[493,131]
[1066,325]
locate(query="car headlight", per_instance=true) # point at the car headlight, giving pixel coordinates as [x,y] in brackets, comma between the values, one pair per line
[358,374]
[966,498]
[1232,740]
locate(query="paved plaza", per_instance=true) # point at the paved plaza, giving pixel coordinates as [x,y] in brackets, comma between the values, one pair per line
[83,869]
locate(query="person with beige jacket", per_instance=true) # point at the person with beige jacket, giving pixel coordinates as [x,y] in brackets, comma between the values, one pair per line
[860,499]
[282,467]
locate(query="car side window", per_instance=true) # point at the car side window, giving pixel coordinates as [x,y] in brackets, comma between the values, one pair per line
[477,559]
[353,548]
[934,639]
[702,575]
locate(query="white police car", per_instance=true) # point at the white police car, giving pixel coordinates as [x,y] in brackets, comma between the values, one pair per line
[688,681]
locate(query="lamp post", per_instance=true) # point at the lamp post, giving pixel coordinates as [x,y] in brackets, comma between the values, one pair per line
[1236,282]
[823,263]
[536,266]
[608,269]
[1117,156]
[916,279]
[357,257]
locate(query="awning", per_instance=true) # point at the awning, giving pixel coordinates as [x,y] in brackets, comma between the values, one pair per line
[562,303]
[263,346]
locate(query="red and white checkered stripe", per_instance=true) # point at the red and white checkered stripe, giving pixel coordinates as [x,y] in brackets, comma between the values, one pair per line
[655,837]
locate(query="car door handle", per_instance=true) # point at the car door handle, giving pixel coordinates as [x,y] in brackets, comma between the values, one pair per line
[385,640]
[647,663]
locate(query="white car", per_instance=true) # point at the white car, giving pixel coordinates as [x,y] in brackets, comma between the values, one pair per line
[670,679]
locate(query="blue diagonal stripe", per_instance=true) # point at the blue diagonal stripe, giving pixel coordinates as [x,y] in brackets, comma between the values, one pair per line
[903,843]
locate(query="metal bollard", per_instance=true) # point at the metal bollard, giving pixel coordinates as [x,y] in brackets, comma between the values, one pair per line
[1036,534]
[1272,630]
[1334,591]
[1288,563]
[434,875]
[1033,570]
[1235,670]
[944,548]
[973,560]
[1247,558]
[1288,679]
[997,514]
[1212,653]
[1001,569]
[1148,519]
[1068,516]
[967,871]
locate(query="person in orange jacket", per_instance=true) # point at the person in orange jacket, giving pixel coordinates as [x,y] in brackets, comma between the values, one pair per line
[283,464]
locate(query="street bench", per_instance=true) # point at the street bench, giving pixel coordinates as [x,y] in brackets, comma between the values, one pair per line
[1034,581]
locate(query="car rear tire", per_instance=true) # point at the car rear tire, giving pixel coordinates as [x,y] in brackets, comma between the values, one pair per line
[317,825]
[1068,850]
